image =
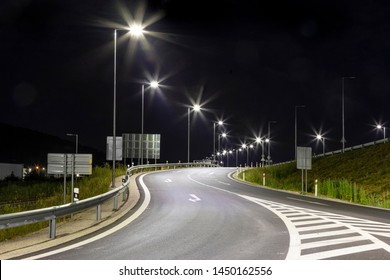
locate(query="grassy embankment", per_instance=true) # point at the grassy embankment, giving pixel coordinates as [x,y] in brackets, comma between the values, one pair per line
[360,176]
[40,192]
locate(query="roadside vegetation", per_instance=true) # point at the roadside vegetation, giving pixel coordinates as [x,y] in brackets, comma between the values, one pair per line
[38,191]
[360,176]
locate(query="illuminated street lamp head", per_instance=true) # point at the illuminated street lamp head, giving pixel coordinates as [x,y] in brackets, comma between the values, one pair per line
[243,146]
[319,136]
[224,134]
[136,30]
[196,107]
[258,140]
[154,84]
[220,122]
[379,126]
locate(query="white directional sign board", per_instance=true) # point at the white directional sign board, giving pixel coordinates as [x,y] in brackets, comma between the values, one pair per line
[77,163]
[118,147]
[304,156]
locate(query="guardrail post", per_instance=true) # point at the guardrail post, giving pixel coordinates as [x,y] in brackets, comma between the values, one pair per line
[115,202]
[125,194]
[52,228]
[98,212]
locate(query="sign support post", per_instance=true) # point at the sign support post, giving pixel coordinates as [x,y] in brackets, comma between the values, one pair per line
[304,158]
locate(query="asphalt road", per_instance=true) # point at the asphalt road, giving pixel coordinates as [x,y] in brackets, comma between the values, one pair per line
[204,214]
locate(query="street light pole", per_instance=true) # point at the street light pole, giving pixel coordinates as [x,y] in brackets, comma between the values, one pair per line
[296,129]
[142,125]
[269,142]
[214,123]
[114,116]
[77,140]
[260,141]
[219,140]
[153,84]
[134,30]
[379,126]
[322,139]
[343,140]
[196,108]
[214,141]
[188,137]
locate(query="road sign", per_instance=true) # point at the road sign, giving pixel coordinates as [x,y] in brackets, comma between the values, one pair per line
[150,145]
[59,169]
[82,164]
[71,164]
[304,157]
[118,147]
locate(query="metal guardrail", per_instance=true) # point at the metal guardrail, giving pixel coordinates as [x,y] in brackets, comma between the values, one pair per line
[51,213]
[354,147]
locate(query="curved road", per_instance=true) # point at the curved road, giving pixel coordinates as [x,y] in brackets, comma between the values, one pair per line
[202,213]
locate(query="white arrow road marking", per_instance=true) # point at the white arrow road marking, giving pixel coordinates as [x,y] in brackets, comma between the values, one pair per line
[168,181]
[194,198]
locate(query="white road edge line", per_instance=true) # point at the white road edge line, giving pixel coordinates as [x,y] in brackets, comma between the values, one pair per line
[136,214]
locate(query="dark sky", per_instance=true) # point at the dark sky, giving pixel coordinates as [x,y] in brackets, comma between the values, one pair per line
[248,62]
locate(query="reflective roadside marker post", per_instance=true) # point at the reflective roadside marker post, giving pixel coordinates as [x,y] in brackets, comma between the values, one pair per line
[263,179]
[316,187]
[76,194]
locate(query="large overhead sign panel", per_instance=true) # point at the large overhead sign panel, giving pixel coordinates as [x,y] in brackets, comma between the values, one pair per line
[150,146]
[69,163]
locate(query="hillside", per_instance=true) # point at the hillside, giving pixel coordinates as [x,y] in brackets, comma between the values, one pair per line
[20,145]
[361,175]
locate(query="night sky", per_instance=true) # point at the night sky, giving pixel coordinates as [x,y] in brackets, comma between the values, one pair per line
[247,62]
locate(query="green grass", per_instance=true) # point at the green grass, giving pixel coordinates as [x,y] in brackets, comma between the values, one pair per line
[361,176]
[40,192]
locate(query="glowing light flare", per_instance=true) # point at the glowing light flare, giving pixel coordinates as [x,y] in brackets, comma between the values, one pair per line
[136,30]
[154,84]
[197,108]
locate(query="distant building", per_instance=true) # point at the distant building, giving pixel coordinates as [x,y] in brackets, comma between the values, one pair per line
[11,169]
